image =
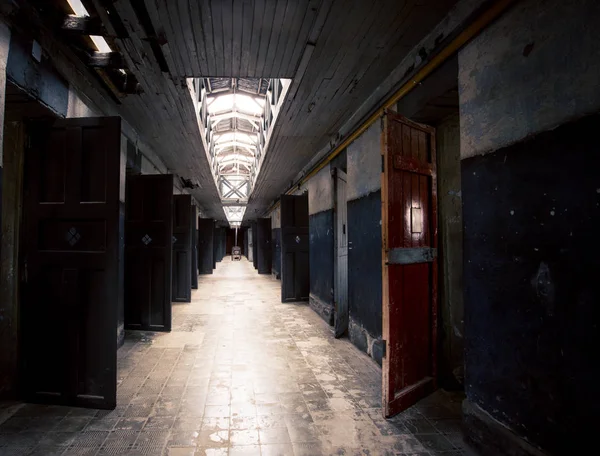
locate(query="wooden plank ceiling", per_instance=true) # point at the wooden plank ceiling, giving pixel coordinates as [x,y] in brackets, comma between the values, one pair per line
[336,52]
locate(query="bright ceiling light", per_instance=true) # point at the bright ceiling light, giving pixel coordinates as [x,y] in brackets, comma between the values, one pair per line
[78,7]
[79,10]
[100,43]
[235,102]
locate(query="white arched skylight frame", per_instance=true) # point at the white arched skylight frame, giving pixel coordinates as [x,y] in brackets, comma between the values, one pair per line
[236,154]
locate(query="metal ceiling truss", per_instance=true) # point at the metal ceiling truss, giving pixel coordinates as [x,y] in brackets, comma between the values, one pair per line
[236,116]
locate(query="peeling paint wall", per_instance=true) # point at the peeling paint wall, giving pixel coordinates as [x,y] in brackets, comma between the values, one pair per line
[321,248]
[364,241]
[364,163]
[321,256]
[531,71]
[531,208]
[320,191]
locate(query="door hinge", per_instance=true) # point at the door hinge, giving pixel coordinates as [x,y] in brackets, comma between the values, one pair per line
[383,348]
[383,163]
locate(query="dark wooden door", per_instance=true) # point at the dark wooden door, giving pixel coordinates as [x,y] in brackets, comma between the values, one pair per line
[409,237]
[194,231]
[182,249]
[72,241]
[254,245]
[148,252]
[342,316]
[295,281]
[263,227]
[206,232]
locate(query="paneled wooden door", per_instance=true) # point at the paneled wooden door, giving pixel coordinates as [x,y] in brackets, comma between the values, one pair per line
[182,249]
[71,282]
[263,235]
[409,255]
[206,233]
[193,225]
[148,252]
[341,254]
[255,244]
[295,282]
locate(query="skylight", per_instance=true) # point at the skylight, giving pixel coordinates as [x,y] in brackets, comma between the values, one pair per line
[236,102]
[236,118]
[99,41]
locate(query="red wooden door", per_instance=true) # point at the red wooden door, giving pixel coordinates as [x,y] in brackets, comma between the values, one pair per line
[71,275]
[409,237]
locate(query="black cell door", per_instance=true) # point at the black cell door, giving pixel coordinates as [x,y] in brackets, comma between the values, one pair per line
[255,245]
[219,244]
[263,240]
[182,249]
[206,232]
[148,252]
[295,283]
[194,231]
[71,278]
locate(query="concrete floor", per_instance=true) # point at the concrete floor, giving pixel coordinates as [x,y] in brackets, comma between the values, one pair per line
[240,374]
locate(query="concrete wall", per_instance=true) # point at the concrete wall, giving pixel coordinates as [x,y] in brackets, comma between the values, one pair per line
[530,72]
[364,241]
[531,192]
[39,79]
[321,247]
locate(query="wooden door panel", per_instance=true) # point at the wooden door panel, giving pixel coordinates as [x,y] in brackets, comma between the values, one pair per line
[194,253]
[71,283]
[409,234]
[148,252]
[182,248]
[205,245]
[263,240]
[254,244]
[295,280]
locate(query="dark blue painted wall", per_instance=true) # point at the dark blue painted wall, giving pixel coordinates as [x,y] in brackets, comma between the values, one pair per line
[321,261]
[532,294]
[276,249]
[364,262]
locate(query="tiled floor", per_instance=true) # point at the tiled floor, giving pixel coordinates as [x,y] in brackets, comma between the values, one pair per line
[240,374]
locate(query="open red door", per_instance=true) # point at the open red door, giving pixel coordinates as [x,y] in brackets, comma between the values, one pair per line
[409,238]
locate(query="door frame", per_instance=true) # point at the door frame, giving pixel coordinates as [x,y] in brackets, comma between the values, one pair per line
[337,174]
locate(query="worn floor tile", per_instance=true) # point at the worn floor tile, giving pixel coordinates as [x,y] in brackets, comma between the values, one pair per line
[240,374]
